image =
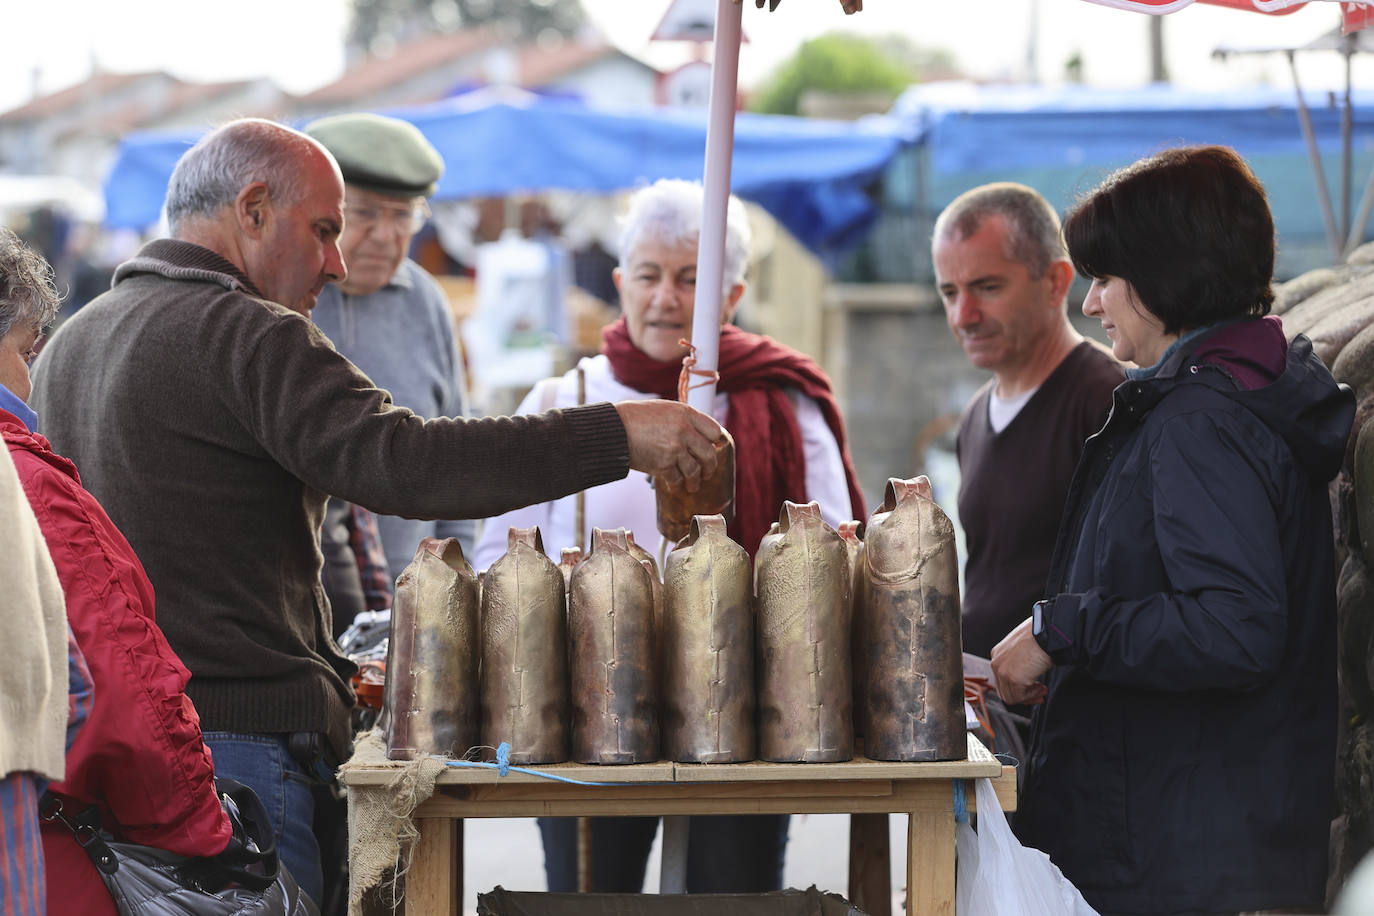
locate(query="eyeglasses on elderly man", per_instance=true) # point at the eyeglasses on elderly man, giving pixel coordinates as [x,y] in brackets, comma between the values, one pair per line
[367,214]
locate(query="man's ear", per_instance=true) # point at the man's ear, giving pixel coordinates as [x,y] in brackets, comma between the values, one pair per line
[1060,275]
[249,207]
[617,277]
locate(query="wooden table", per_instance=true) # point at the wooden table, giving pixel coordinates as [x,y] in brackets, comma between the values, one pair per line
[922,791]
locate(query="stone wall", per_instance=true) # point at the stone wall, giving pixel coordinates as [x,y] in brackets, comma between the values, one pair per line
[902,378]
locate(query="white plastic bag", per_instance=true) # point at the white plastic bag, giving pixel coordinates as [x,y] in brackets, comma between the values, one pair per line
[1000,877]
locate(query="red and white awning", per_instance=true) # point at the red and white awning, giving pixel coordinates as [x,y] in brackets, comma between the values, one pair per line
[1160,7]
[1355,16]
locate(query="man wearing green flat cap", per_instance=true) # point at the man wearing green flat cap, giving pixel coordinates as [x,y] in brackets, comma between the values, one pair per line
[389,316]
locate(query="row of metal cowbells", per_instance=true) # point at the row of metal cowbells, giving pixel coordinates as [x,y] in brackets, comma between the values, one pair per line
[601,663]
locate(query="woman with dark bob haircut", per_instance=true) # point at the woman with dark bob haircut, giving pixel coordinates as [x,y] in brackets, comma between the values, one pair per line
[1183,749]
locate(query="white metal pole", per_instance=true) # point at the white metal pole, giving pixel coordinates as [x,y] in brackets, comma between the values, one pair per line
[720,142]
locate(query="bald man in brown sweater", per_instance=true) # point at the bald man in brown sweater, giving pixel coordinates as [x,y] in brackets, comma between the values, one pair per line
[211,418]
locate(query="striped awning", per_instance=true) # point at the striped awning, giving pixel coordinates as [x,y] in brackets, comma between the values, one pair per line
[1355,16]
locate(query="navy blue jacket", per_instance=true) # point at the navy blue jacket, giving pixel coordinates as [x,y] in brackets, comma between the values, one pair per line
[1184,757]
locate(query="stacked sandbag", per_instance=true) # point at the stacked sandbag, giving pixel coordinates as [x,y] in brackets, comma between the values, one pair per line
[1334,312]
[1334,306]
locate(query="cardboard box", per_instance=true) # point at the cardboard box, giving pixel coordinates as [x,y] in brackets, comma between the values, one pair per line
[791,902]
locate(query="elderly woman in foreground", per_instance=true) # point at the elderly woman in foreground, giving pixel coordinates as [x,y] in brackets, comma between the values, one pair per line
[1183,753]
[47,695]
[789,444]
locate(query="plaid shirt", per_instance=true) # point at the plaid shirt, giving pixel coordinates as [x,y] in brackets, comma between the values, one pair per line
[22,887]
[80,689]
[23,891]
[366,542]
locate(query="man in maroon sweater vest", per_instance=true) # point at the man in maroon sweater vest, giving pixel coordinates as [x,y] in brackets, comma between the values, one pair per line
[1004,277]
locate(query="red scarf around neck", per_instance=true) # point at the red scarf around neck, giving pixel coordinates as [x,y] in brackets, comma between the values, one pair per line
[770,465]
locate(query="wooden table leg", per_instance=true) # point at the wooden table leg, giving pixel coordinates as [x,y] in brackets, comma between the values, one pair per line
[930,863]
[585,854]
[870,864]
[434,883]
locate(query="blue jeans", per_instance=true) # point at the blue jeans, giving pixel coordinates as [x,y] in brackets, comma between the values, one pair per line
[726,853]
[263,763]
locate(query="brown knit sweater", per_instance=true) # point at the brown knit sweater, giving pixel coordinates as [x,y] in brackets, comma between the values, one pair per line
[211,423]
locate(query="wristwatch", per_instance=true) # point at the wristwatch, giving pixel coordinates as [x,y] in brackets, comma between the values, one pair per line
[1038,617]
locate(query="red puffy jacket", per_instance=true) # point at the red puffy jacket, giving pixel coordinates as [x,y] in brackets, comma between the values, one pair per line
[140,755]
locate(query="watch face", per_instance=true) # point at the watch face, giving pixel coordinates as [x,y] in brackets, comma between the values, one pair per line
[1037,617]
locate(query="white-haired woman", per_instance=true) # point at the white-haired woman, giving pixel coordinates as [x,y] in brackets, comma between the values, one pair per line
[789,444]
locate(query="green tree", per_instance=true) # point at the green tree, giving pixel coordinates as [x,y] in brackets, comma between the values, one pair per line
[923,63]
[377,22]
[839,62]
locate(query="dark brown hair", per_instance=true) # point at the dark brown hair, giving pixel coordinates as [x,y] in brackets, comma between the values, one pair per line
[1189,229]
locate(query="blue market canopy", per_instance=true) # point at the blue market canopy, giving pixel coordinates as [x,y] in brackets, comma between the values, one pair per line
[974,130]
[1064,140]
[809,174]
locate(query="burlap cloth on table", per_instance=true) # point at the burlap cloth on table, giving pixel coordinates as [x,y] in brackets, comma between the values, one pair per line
[381,833]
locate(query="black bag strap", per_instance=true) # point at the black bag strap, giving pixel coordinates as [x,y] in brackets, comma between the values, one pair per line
[85,826]
[250,860]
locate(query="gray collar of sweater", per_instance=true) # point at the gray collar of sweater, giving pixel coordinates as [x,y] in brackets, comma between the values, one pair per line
[178,260]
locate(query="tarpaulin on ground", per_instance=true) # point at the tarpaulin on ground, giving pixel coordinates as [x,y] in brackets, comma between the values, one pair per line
[809,174]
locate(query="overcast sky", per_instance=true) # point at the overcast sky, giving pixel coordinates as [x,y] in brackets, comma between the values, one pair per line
[299,42]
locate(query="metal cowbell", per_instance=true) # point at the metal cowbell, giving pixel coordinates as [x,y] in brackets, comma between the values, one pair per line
[912,655]
[716,496]
[431,684]
[708,648]
[525,653]
[805,682]
[611,655]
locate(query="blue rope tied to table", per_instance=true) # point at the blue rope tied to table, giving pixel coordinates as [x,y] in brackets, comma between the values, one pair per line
[503,758]
[503,767]
[960,803]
